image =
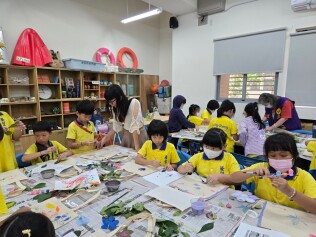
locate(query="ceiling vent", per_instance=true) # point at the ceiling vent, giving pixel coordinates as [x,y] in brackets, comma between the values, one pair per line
[209,7]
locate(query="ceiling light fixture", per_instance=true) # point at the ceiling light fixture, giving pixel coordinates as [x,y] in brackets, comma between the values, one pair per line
[142,15]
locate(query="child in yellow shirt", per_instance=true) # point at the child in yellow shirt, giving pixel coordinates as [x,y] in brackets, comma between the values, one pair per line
[44,149]
[214,163]
[157,151]
[81,132]
[194,116]
[311,147]
[295,188]
[211,107]
[224,121]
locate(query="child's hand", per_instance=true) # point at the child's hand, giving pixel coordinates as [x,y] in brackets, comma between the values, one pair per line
[213,178]
[169,167]
[20,125]
[50,149]
[261,171]
[88,143]
[155,163]
[282,185]
[189,168]
[62,156]
[5,128]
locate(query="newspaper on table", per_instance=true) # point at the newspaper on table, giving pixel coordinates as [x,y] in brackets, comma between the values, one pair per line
[163,177]
[50,165]
[246,230]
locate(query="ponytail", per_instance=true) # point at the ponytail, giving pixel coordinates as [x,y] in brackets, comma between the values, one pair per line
[192,109]
[225,106]
[252,110]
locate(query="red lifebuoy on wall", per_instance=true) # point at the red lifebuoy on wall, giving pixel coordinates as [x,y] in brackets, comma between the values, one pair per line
[105,51]
[126,51]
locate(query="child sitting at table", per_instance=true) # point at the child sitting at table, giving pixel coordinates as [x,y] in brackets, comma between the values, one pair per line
[157,151]
[224,121]
[81,132]
[251,131]
[311,147]
[44,149]
[214,163]
[194,116]
[211,107]
[295,187]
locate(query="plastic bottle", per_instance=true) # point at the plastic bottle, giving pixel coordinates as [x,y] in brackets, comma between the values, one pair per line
[314,130]
[147,115]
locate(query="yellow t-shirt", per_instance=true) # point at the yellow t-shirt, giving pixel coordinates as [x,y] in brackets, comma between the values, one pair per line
[196,120]
[228,126]
[303,182]
[167,154]
[79,135]
[3,205]
[7,161]
[227,165]
[51,156]
[206,115]
[311,146]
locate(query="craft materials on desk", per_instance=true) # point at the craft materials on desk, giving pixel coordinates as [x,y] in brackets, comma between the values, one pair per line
[85,179]
[140,170]
[287,220]
[246,230]
[12,176]
[50,165]
[163,177]
[193,185]
[171,196]
[290,173]
[57,212]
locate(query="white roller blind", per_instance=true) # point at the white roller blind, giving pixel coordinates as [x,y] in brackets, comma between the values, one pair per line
[253,53]
[301,76]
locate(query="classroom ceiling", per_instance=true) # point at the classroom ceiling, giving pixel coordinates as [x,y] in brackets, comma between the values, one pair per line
[175,7]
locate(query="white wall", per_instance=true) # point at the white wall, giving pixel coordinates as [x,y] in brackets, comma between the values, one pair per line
[193,46]
[77,28]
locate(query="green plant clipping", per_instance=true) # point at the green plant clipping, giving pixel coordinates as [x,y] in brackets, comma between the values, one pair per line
[167,228]
[42,197]
[9,132]
[206,227]
[39,185]
[177,213]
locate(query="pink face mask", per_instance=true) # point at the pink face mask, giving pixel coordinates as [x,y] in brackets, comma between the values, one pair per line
[281,165]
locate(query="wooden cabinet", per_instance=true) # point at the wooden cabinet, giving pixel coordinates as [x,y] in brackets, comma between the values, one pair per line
[147,98]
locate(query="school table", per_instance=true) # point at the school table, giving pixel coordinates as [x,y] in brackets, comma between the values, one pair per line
[89,221]
[163,118]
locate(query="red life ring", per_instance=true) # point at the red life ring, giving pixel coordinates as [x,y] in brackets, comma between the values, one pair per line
[126,51]
[107,52]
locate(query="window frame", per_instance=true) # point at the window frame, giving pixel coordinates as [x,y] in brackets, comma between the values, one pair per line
[244,89]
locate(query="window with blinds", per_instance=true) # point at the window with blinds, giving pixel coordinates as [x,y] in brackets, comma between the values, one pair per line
[246,86]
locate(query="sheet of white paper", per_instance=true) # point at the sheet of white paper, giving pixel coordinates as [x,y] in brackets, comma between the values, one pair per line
[163,177]
[245,230]
[172,197]
[45,166]
[80,181]
[140,170]
[84,162]
[12,176]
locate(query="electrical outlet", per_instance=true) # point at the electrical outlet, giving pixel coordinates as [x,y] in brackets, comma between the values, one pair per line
[202,20]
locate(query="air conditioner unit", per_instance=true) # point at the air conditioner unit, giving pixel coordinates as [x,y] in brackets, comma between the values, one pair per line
[302,5]
[208,7]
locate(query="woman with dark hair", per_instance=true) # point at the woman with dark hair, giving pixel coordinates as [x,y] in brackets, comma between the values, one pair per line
[251,131]
[127,116]
[224,121]
[280,112]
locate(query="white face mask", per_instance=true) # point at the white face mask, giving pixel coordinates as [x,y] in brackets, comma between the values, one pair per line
[269,106]
[181,107]
[211,154]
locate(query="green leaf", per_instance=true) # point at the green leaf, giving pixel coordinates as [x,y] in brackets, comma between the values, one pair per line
[185,234]
[138,207]
[42,197]
[39,185]
[77,232]
[10,204]
[206,227]
[8,133]
[43,166]
[177,213]
[28,189]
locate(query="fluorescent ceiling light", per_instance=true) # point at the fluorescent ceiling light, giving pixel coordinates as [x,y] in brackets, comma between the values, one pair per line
[142,15]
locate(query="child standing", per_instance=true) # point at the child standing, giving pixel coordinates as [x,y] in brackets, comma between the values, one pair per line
[224,121]
[311,147]
[214,163]
[157,151]
[211,107]
[251,131]
[177,120]
[296,191]
[194,116]
[44,149]
[81,132]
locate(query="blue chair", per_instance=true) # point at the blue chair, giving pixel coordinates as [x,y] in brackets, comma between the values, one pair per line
[313,173]
[184,157]
[303,132]
[22,164]
[247,187]
[246,161]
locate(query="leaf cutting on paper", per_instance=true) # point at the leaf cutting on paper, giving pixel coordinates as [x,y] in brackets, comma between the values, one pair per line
[206,227]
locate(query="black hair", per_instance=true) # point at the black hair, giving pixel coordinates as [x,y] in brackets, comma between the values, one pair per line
[212,105]
[38,224]
[85,107]
[215,137]
[225,106]
[1,132]
[122,103]
[265,98]
[193,109]
[252,110]
[157,127]
[281,142]
[42,126]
